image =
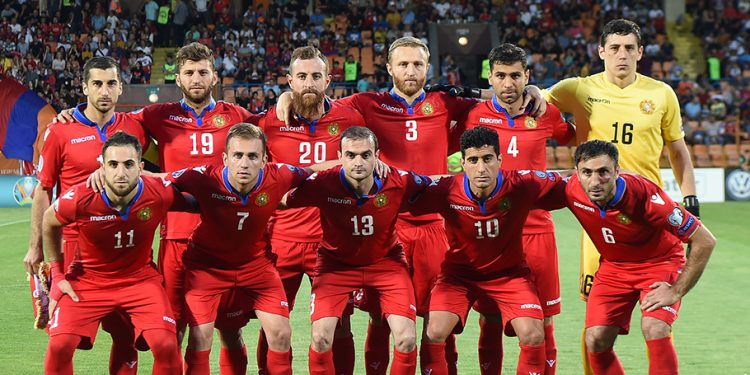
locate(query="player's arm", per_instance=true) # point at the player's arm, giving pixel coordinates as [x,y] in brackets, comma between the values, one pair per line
[40,203]
[52,232]
[679,156]
[664,294]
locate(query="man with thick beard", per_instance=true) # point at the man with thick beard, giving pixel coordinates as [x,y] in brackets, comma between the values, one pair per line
[312,137]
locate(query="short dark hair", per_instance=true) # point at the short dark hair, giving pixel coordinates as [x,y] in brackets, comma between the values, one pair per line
[244,130]
[121,139]
[194,52]
[479,137]
[620,26]
[507,54]
[593,149]
[359,132]
[100,62]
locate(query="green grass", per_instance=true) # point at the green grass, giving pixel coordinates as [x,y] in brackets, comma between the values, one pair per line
[710,335]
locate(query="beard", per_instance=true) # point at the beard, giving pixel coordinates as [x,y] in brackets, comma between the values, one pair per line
[409,89]
[197,98]
[308,106]
[122,192]
[510,99]
[103,107]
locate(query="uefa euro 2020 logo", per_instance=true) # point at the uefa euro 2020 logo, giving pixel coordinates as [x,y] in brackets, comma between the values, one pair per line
[23,190]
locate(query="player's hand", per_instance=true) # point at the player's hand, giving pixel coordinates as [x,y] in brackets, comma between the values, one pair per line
[533,101]
[691,204]
[438,88]
[381,169]
[66,288]
[662,294]
[65,116]
[96,181]
[284,110]
[34,256]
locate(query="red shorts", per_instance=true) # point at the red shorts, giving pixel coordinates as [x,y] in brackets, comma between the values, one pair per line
[513,295]
[294,260]
[173,271]
[616,289]
[425,248]
[541,257]
[234,311]
[258,281]
[387,278]
[144,301]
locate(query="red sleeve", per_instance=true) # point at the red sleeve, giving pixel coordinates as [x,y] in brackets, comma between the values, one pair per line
[139,116]
[562,131]
[187,179]
[253,118]
[291,176]
[662,212]
[353,101]
[307,194]
[261,119]
[552,195]
[459,109]
[415,183]
[50,160]
[65,206]
[431,198]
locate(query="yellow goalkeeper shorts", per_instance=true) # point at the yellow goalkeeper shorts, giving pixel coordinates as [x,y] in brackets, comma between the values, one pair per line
[589,265]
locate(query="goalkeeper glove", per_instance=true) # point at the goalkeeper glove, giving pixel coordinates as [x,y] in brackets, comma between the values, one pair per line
[691,204]
[453,90]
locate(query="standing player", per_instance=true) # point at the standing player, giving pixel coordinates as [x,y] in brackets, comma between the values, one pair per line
[69,155]
[639,232]
[312,137]
[360,249]
[115,232]
[637,113]
[229,251]
[524,139]
[485,210]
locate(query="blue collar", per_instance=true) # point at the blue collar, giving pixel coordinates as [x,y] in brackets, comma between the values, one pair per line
[361,199]
[198,118]
[619,192]
[482,203]
[243,198]
[409,108]
[498,107]
[81,117]
[126,212]
[311,124]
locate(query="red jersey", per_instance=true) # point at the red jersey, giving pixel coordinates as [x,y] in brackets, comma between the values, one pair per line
[523,144]
[415,137]
[116,245]
[72,152]
[232,229]
[304,143]
[641,224]
[358,230]
[187,139]
[485,236]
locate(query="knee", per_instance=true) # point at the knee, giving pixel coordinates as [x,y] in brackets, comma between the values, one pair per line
[655,329]
[279,338]
[436,334]
[532,336]
[62,345]
[321,341]
[597,341]
[231,339]
[405,342]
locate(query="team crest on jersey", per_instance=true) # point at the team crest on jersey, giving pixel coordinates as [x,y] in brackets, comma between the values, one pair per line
[262,199]
[427,109]
[647,107]
[333,129]
[381,200]
[144,214]
[219,121]
[623,219]
[504,204]
[530,122]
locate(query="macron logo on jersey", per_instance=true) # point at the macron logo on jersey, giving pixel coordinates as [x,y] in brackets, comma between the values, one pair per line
[287,128]
[392,108]
[223,197]
[461,208]
[87,138]
[485,120]
[339,200]
[584,207]
[180,118]
[531,306]
[656,198]
[597,100]
[102,218]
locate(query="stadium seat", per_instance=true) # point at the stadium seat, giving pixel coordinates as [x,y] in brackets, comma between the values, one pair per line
[227,80]
[732,154]
[564,157]
[718,159]
[701,157]
[354,51]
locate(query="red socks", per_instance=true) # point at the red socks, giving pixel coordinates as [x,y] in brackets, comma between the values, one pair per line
[377,348]
[432,358]
[320,363]
[605,363]
[196,362]
[451,354]
[550,349]
[59,357]
[233,361]
[662,357]
[123,359]
[261,353]
[531,359]
[490,347]
[279,363]
[404,363]
[343,354]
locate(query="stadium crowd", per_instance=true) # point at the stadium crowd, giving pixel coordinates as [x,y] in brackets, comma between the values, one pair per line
[46,48]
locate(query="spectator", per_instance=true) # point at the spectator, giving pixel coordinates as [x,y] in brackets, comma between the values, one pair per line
[169,70]
[137,74]
[693,109]
[337,74]
[244,99]
[270,100]
[351,69]
[179,19]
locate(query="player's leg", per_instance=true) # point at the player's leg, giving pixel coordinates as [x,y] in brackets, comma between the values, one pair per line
[378,341]
[279,335]
[490,345]
[123,357]
[59,357]
[172,270]
[530,332]
[200,339]
[589,265]
[440,325]
[233,355]
[405,342]
[343,344]
[163,344]
[204,290]
[599,343]
[320,356]
[657,325]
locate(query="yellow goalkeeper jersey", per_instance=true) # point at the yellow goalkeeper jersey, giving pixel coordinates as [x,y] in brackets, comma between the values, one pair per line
[638,119]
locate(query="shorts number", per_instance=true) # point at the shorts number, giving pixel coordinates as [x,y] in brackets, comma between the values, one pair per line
[363,226]
[512,147]
[118,238]
[55,317]
[317,149]
[588,281]
[243,216]
[627,133]
[206,144]
[312,303]
[607,234]
[411,130]
[491,227]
